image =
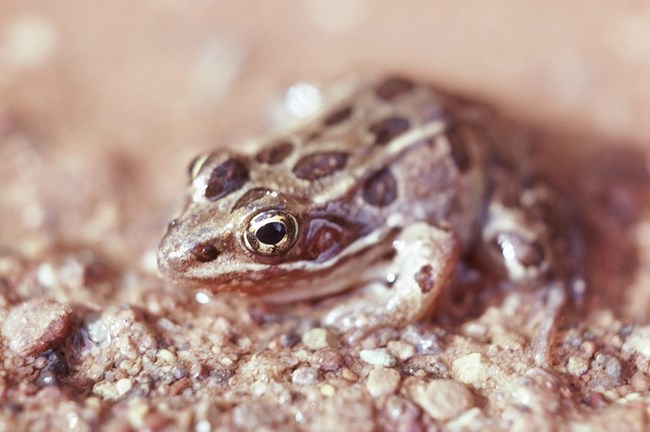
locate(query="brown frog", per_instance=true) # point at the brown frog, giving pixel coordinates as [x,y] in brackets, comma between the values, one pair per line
[380,196]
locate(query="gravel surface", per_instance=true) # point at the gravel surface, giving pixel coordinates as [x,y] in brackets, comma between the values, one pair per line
[102,108]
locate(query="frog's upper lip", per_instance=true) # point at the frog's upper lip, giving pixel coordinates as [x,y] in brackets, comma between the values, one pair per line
[170,266]
[173,259]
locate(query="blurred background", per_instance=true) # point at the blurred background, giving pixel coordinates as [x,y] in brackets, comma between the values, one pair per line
[103,104]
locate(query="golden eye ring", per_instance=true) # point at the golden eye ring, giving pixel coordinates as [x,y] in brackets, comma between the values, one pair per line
[271,233]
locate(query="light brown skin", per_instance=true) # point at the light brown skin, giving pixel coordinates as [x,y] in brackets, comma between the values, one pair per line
[392,182]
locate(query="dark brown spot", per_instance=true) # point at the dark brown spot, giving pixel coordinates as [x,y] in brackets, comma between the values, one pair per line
[380,189]
[527,252]
[424,278]
[226,178]
[319,165]
[323,240]
[393,87]
[250,196]
[275,154]
[204,252]
[458,137]
[387,129]
[337,116]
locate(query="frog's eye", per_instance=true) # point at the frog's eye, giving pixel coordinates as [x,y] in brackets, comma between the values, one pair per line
[271,232]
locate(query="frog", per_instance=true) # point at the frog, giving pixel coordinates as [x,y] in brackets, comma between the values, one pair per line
[368,207]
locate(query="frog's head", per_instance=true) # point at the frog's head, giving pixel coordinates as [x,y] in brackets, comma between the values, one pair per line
[248,232]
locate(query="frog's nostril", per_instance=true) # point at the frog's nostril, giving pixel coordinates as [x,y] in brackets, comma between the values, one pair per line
[204,252]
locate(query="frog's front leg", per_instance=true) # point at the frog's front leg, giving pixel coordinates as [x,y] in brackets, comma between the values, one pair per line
[520,236]
[424,262]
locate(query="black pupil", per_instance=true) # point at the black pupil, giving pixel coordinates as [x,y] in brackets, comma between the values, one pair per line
[272,233]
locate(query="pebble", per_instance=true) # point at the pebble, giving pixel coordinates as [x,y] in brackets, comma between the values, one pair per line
[105,390]
[613,368]
[327,390]
[470,369]
[378,357]
[97,330]
[305,376]
[36,326]
[318,338]
[638,341]
[348,375]
[123,386]
[327,360]
[471,420]
[577,365]
[401,350]
[166,356]
[540,398]
[382,381]
[640,381]
[443,399]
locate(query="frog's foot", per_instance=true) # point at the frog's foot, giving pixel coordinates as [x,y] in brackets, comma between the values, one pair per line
[425,260]
[544,322]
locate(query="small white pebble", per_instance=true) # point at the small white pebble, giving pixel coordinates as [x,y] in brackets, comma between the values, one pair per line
[577,365]
[382,381]
[328,390]
[470,369]
[348,375]
[202,298]
[538,397]
[203,426]
[471,420]
[258,389]
[123,386]
[638,341]
[105,390]
[166,356]
[443,399]
[318,338]
[613,368]
[401,350]
[97,330]
[305,376]
[378,357]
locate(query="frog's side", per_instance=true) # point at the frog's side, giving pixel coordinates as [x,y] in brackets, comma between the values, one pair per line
[383,193]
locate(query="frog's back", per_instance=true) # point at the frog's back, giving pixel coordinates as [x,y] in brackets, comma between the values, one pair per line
[398,147]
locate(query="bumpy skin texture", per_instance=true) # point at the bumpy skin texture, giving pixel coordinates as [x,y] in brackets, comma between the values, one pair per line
[385,190]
